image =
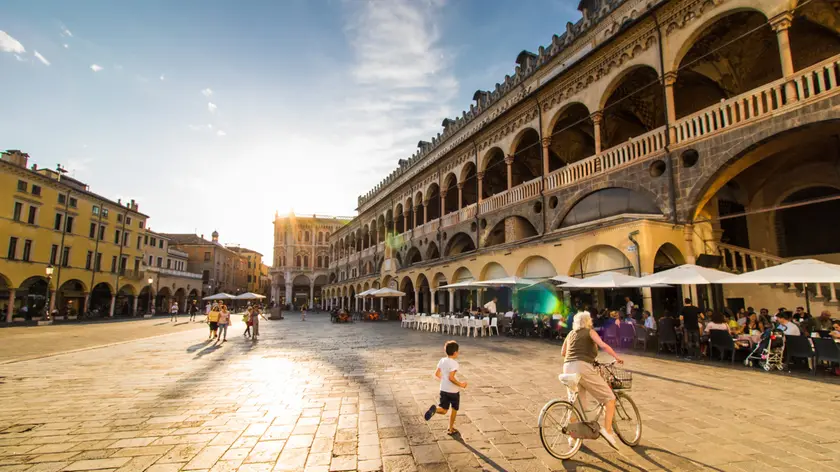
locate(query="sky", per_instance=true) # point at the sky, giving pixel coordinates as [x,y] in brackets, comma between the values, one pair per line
[215,114]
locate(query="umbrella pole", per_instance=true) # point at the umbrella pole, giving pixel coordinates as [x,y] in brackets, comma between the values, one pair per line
[807,299]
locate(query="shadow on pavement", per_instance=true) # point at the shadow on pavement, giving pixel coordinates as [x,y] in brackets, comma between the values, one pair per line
[207,350]
[655,456]
[198,346]
[478,454]
[683,382]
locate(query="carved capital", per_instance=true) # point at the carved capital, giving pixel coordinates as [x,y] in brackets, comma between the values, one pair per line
[480,175]
[508,159]
[443,194]
[425,203]
[460,185]
[781,22]
[597,117]
[546,142]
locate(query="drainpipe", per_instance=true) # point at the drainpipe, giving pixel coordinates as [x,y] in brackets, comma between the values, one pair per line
[647,299]
[632,238]
[477,201]
[669,156]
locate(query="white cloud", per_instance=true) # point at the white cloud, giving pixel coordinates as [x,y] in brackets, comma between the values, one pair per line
[10,44]
[66,32]
[194,127]
[221,133]
[162,77]
[207,92]
[42,58]
[211,107]
[95,67]
[66,46]
[20,59]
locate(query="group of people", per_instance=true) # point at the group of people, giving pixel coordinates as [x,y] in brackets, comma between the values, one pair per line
[218,318]
[174,309]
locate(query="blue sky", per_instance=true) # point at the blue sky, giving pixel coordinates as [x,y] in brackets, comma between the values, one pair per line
[214,114]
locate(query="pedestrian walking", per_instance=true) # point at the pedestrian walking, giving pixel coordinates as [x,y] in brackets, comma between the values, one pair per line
[450,387]
[207,309]
[224,321]
[213,320]
[303,313]
[173,312]
[193,310]
[246,318]
[255,322]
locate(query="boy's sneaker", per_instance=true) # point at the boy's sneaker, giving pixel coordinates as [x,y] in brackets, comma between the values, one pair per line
[430,412]
[610,438]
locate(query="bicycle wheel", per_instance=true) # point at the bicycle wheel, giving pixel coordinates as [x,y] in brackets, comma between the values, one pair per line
[555,416]
[627,421]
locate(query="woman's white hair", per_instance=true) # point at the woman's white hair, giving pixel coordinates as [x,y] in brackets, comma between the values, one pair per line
[582,320]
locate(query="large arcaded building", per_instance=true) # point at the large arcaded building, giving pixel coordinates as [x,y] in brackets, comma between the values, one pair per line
[647,134]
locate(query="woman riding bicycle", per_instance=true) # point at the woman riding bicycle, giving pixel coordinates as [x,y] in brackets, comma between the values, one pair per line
[579,352]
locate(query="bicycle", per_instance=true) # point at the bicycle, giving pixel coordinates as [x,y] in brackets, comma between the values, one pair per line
[565,423]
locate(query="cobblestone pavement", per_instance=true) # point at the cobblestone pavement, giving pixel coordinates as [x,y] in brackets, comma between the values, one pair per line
[314,396]
[27,342]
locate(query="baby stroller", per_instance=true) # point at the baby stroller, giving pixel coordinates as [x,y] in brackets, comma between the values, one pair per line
[768,353]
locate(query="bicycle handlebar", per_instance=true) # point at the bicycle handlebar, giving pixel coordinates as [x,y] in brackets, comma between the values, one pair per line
[604,364]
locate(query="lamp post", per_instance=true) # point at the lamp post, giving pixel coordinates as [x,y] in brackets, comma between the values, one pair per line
[49,271]
[149,308]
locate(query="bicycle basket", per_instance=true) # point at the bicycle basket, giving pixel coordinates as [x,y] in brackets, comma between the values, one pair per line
[617,378]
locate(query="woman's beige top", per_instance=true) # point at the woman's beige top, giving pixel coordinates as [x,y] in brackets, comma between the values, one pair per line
[580,346]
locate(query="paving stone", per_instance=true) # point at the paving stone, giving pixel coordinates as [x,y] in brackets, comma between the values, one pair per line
[97,464]
[340,463]
[292,459]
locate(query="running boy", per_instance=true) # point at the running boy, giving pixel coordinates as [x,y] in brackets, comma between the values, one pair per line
[450,396]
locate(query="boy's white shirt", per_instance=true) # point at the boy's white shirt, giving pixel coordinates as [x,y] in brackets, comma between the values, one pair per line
[447,365]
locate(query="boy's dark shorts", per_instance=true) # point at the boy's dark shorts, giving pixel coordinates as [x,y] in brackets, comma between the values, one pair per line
[450,400]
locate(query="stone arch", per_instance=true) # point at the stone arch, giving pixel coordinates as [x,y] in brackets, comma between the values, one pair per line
[536,267]
[100,297]
[398,218]
[495,172]
[493,270]
[458,244]
[438,280]
[450,188]
[461,274]
[527,156]
[608,202]
[468,183]
[410,210]
[665,257]
[508,230]
[632,105]
[432,251]
[412,256]
[600,258]
[572,134]
[432,202]
[571,200]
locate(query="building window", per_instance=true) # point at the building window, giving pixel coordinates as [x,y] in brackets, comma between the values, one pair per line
[206,256]
[205,276]
[125,239]
[73,202]
[69,224]
[12,248]
[101,233]
[146,240]
[88,260]
[33,215]
[57,224]
[18,211]
[21,185]
[113,264]
[27,249]
[95,210]
[92,230]
[169,263]
[151,261]
[128,220]
[119,218]
[160,262]
[139,241]
[104,212]
[53,254]
[160,244]
[307,237]
[62,198]
[154,242]
[36,190]
[117,237]
[306,261]
[141,224]
[299,261]
[65,257]
[98,262]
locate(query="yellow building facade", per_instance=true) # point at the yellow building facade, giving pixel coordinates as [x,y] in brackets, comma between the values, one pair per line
[92,245]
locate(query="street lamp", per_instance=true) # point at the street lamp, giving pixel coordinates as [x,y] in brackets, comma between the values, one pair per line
[149,308]
[49,271]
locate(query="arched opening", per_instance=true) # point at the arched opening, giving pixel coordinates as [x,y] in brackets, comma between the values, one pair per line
[124,305]
[795,231]
[634,107]
[607,203]
[432,203]
[70,298]
[163,300]
[459,244]
[527,158]
[462,299]
[491,271]
[180,297]
[536,267]
[100,300]
[31,298]
[432,251]
[413,257]
[511,229]
[572,137]
[540,298]
[596,260]
[144,300]
[468,185]
[400,219]
[300,291]
[668,298]
[495,173]
[424,301]
[193,298]
[320,282]
[411,212]
[441,300]
[738,63]
[814,33]
[365,238]
[407,287]
[450,188]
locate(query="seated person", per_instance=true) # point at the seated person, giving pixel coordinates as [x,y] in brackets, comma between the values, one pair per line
[718,322]
[734,327]
[649,322]
[835,331]
[821,323]
[787,325]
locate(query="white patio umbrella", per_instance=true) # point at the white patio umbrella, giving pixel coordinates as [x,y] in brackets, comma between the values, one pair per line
[564,279]
[686,274]
[512,281]
[466,285]
[249,296]
[804,271]
[387,293]
[220,296]
[366,293]
[602,280]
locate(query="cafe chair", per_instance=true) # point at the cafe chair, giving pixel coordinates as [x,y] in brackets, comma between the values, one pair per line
[799,347]
[626,334]
[641,337]
[826,351]
[494,324]
[723,342]
[611,335]
[667,335]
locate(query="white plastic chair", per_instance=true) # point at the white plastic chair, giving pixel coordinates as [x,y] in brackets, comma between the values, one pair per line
[444,324]
[465,326]
[434,323]
[494,324]
[406,320]
[485,326]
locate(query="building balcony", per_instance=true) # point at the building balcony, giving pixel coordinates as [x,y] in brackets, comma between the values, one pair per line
[173,273]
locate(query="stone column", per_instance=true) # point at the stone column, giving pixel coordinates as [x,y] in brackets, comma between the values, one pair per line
[647,299]
[460,195]
[434,301]
[405,221]
[82,309]
[670,104]
[52,304]
[134,307]
[288,292]
[311,295]
[443,203]
[417,300]
[480,177]
[781,25]
[11,307]
[416,210]
[381,304]
[451,299]
[690,258]
[113,305]
[508,164]
[546,142]
[425,211]
[597,119]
